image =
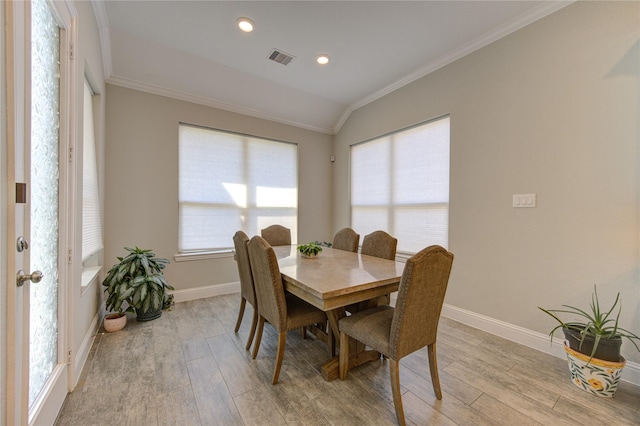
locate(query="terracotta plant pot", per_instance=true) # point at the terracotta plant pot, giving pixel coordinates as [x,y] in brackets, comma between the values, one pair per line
[114,322]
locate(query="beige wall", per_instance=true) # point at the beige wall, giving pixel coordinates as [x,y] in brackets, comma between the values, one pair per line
[552,109]
[142,179]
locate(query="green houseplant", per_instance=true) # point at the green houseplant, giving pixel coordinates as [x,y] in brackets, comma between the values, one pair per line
[139,281]
[592,344]
[310,250]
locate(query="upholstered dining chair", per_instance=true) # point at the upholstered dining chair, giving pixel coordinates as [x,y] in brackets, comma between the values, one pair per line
[411,325]
[346,239]
[247,289]
[379,244]
[283,311]
[277,235]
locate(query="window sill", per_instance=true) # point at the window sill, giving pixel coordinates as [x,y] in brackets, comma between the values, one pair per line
[89,276]
[203,255]
[402,256]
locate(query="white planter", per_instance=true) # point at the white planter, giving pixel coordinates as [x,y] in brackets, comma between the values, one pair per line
[595,376]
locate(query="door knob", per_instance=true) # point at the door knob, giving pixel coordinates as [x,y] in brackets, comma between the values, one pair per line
[21,277]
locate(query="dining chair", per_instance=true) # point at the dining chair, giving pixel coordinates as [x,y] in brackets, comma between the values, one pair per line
[411,325]
[247,289]
[283,311]
[277,235]
[380,244]
[377,244]
[346,239]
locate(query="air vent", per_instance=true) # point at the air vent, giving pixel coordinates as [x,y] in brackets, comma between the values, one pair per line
[280,57]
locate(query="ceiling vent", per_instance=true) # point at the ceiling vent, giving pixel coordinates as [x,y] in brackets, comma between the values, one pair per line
[280,57]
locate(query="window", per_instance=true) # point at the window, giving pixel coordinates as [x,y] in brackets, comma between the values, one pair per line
[229,181]
[91,223]
[400,184]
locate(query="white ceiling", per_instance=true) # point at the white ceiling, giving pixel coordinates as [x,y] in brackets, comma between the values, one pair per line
[192,50]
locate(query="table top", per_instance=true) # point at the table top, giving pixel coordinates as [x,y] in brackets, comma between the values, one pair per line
[337,278]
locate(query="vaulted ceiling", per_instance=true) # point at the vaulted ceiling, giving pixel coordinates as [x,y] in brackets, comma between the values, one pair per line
[193,50]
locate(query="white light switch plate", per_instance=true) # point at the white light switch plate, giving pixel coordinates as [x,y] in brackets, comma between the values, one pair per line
[524,200]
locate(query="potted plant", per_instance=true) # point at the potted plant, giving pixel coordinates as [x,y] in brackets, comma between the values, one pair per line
[115,321]
[139,281]
[593,344]
[310,250]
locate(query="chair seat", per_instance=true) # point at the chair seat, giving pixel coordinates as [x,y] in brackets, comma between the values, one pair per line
[301,313]
[370,325]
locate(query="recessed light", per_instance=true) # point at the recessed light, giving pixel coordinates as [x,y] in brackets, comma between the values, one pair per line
[245,24]
[322,59]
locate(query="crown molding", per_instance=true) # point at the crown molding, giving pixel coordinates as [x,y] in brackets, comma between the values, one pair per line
[206,101]
[545,9]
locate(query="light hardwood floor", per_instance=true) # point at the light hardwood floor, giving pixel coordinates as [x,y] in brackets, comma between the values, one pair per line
[190,368]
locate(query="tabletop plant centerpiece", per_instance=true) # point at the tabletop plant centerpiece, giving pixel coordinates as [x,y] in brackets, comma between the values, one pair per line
[138,280]
[593,345]
[310,250]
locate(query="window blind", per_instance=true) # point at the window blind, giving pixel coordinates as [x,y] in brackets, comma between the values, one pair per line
[91,223]
[400,184]
[229,181]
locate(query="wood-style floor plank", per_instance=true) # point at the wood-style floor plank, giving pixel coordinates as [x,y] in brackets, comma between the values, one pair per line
[190,368]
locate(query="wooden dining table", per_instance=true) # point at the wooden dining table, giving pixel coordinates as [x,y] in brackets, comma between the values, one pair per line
[335,279]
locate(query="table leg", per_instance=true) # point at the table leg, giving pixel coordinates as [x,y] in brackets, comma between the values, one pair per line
[357,354]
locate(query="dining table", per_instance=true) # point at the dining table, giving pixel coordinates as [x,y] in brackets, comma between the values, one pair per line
[333,280]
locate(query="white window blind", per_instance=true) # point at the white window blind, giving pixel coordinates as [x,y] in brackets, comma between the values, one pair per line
[91,224]
[400,184]
[229,182]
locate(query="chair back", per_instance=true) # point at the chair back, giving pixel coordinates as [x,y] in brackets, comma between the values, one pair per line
[277,235]
[420,297]
[272,304]
[379,244]
[346,239]
[247,289]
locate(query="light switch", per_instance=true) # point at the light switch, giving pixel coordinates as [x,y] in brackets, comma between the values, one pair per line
[524,200]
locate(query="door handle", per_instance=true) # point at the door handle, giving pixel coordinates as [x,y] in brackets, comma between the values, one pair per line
[21,277]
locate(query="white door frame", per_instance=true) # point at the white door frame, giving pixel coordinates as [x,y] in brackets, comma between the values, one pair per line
[48,404]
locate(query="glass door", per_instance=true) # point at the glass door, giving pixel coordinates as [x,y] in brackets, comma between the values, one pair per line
[36,71]
[44,207]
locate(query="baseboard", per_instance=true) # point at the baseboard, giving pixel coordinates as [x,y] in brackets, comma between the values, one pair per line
[83,351]
[523,336]
[206,291]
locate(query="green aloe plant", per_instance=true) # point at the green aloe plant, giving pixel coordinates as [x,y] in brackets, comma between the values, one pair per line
[597,323]
[138,280]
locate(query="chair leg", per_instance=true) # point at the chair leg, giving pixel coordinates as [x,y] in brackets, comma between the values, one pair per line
[343,363]
[252,332]
[256,345]
[395,389]
[331,342]
[243,302]
[282,342]
[433,369]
